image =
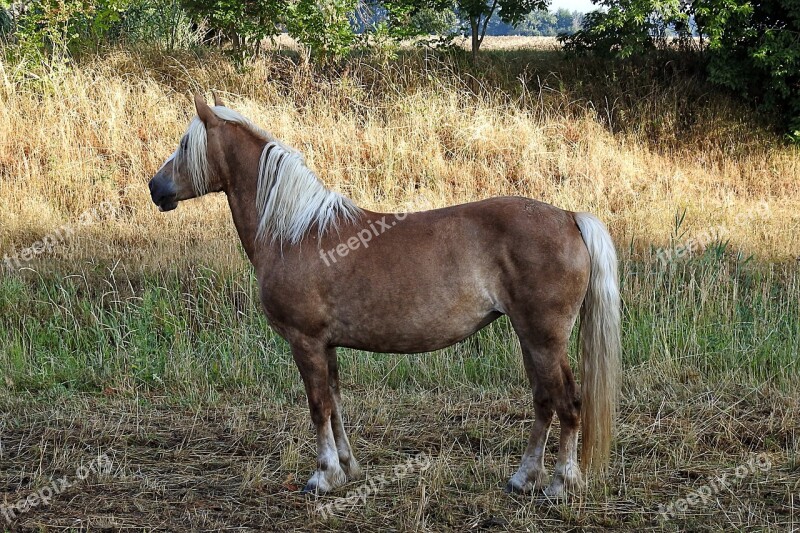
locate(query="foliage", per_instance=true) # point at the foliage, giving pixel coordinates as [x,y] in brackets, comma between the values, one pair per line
[6,22]
[429,21]
[55,28]
[160,22]
[325,28]
[52,30]
[245,23]
[630,27]
[403,19]
[542,22]
[478,13]
[753,47]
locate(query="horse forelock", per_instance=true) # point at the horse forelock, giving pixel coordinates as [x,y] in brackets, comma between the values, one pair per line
[193,153]
[193,150]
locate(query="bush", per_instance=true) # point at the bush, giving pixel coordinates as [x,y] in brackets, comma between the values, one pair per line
[753,48]
[161,22]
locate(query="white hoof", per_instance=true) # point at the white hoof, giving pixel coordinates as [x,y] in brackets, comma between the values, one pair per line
[567,482]
[323,481]
[522,482]
[351,468]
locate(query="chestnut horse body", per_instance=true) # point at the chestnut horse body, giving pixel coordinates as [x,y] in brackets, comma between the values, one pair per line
[334,275]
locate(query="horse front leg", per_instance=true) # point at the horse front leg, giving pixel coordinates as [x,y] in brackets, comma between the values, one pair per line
[312,362]
[346,458]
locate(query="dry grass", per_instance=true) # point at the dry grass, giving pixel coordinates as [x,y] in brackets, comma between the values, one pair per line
[237,463]
[397,138]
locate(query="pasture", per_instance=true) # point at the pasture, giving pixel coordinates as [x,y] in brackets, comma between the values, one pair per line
[134,340]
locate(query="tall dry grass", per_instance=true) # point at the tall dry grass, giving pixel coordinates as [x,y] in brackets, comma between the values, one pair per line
[418,133]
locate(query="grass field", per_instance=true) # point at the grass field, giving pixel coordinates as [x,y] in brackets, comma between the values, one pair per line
[136,336]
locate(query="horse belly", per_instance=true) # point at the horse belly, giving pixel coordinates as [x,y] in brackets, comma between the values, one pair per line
[403,330]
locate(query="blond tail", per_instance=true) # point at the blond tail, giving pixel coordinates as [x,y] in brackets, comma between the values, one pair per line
[600,344]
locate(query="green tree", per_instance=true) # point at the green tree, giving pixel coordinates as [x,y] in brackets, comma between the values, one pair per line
[630,27]
[754,49]
[478,13]
[158,22]
[325,28]
[430,21]
[54,29]
[246,22]
[539,22]
[565,21]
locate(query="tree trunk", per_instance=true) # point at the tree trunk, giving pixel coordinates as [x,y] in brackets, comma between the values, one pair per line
[476,42]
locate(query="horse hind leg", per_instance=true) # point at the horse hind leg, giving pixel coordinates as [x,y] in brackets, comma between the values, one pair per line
[531,474]
[347,459]
[554,390]
[567,476]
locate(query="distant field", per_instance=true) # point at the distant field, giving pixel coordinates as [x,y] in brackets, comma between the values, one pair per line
[138,335]
[516,42]
[490,42]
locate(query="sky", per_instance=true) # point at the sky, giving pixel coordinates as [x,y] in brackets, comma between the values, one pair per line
[584,6]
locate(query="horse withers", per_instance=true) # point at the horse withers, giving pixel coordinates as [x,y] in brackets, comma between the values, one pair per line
[332,274]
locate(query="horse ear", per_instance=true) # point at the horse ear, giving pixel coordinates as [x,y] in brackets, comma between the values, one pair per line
[217,100]
[203,111]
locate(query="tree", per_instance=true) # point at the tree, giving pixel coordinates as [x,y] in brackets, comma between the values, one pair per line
[478,13]
[539,22]
[53,29]
[630,27]
[754,49]
[565,21]
[325,28]
[244,22]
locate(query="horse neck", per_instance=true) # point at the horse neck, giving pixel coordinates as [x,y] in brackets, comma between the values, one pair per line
[242,184]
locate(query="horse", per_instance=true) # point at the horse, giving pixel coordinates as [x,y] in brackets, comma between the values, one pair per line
[332,274]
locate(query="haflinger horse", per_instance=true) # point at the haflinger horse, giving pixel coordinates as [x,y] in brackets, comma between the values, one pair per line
[332,275]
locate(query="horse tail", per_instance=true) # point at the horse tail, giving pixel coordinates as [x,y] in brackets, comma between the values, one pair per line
[600,344]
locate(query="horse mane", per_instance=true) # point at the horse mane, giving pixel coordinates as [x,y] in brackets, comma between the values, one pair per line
[290,198]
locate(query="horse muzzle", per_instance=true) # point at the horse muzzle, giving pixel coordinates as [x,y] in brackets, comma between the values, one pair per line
[162,192]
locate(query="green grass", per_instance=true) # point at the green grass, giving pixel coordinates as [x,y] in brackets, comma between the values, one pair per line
[201,331]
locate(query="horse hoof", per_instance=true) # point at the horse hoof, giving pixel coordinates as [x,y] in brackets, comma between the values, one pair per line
[352,470]
[513,488]
[555,491]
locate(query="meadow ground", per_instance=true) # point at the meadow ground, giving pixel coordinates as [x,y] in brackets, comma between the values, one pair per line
[135,337]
